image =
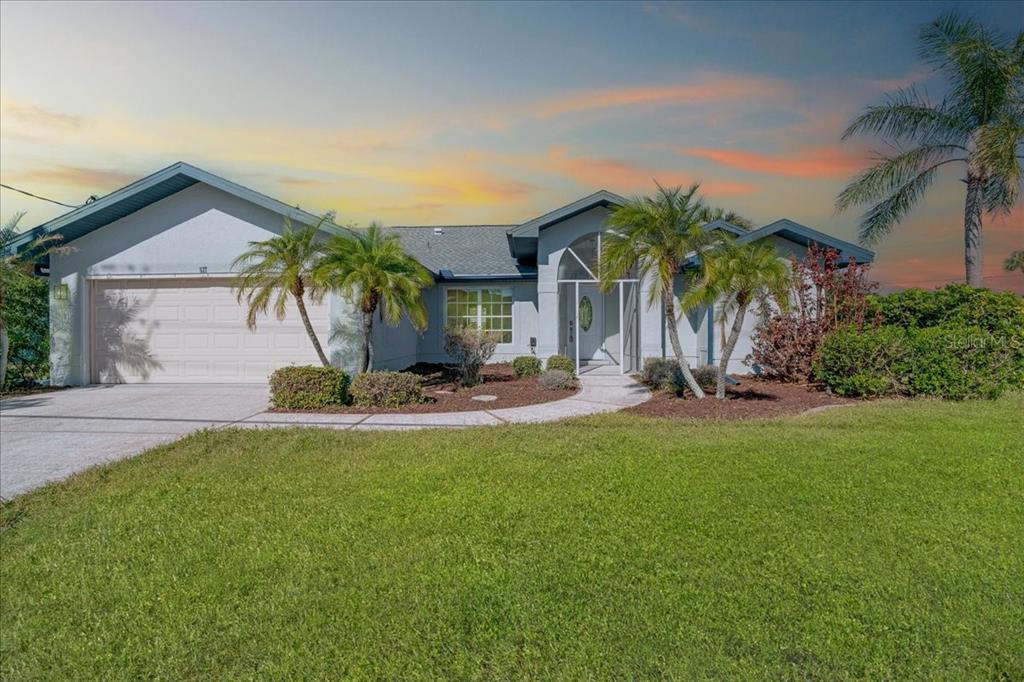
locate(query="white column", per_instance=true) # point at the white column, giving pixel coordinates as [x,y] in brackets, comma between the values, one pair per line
[622,335]
[576,328]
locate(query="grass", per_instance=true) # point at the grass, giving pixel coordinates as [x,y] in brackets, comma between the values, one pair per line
[881,541]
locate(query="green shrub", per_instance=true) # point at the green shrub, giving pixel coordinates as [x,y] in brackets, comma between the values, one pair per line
[526,366]
[706,376]
[561,362]
[664,374]
[27,316]
[387,389]
[308,387]
[557,380]
[953,305]
[470,348]
[952,362]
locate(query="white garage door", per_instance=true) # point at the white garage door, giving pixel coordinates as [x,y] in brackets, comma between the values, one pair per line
[191,331]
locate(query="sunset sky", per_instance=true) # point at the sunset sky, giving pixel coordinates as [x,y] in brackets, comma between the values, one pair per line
[480,113]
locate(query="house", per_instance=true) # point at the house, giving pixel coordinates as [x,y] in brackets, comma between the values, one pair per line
[145,293]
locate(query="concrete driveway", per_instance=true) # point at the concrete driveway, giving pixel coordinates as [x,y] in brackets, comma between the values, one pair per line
[49,436]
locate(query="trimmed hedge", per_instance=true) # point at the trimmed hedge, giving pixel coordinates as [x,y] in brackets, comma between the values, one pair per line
[561,362]
[308,387]
[952,305]
[556,380]
[387,389]
[526,366]
[951,362]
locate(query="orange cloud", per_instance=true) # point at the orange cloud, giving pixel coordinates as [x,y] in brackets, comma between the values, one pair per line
[77,176]
[810,162]
[37,116]
[712,88]
[625,176]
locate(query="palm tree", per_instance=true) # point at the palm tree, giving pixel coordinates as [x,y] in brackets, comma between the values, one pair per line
[279,267]
[657,235]
[14,263]
[979,126]
[1015,262]
[734,276]
[372,270]
[717,212]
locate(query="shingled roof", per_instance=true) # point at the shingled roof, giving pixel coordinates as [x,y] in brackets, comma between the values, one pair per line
[464,251]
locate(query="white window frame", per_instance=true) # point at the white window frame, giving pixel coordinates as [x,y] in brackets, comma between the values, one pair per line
[504,289]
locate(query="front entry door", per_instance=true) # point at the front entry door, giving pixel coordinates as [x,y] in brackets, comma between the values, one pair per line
[590,324]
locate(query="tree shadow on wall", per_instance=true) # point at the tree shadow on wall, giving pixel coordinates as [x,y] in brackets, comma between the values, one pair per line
[120,347]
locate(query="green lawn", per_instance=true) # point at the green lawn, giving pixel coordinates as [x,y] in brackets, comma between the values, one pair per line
[880,541]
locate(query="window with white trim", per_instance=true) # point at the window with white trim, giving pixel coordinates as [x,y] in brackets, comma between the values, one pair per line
[487,308]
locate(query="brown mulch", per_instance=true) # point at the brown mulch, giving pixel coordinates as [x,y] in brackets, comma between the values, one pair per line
[31,390]
[754,398]
[445,395]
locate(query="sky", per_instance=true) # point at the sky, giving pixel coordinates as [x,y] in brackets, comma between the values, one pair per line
[482,113]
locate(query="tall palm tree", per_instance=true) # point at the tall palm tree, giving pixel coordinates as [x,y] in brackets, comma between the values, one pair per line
[273,270]
[372,269]
[12,264]
[978,126]
[657,235]
[733,277]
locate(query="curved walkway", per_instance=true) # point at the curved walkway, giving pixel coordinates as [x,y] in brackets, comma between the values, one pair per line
[49,436]
[601,390]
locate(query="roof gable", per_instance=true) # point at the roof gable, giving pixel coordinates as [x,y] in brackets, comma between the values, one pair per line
[149,190]
[805,236]
[600,198]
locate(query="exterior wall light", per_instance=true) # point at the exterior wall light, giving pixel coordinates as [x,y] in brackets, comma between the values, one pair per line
[61,292]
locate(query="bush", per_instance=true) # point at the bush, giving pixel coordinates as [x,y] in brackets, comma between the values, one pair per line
[526,366]
[664,374]
[952,362]
[563,363]
[952,305]
[557,380]
[308,387]
[387,389]
[470,349]
[706,376]
[27,316]
[825,297]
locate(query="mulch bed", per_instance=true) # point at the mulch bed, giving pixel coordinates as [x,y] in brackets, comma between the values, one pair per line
[31,390]
[445,394]
[754,398]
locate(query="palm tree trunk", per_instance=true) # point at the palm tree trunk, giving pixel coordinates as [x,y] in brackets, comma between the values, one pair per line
[5,342]
[730,346]
[5,345]
[677,348]
[366,361]
[972,230]
[309,330]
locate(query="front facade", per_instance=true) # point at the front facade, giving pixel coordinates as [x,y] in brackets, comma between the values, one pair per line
[145,292]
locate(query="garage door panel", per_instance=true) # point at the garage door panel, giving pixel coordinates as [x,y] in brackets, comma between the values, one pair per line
[191,331]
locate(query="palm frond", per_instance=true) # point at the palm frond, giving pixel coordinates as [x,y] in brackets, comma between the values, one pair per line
[889,174]
[882,217]
[908,115]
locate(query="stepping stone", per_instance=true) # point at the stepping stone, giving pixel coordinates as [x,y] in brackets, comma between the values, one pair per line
[485,398]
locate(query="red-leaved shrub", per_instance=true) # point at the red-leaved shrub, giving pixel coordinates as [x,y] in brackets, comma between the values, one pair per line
[826,295]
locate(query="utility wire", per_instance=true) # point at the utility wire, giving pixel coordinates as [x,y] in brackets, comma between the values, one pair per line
[36,196]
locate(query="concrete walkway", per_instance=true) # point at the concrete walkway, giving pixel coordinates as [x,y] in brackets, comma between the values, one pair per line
[602,389]
[49,436]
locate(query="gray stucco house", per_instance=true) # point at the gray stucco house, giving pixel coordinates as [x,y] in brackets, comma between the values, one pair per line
[145,293]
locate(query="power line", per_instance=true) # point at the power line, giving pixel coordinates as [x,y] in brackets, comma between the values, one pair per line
[36,196]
